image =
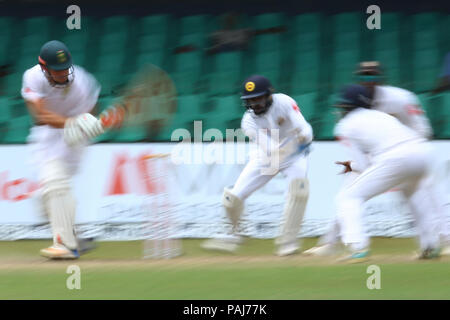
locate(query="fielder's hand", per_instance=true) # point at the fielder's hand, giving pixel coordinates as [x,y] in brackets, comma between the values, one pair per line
[79,129]
[346,164]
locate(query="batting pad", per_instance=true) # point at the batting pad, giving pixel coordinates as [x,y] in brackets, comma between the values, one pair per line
[59,203]
[233,207]
[294,210]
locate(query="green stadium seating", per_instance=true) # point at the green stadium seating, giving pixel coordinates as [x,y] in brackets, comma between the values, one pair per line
[5,109]
[311,60]
[178,122]
[42,25]
[226,113]
[78,42]
[443,33]
[222,122]
[307,105]
[190,106]
[189,109]
[18,130]
[31,41]
[18,108]
[267,49]
[306,49]
[131,134]
[152,42]
[438,111]
[155,57]
[116,24]
[25,50]
[187,71]
[109,72]
[346,48]
[113,43]
[197,40]
[110,81]
[268,20]
[387,42]
[324,125]
[445,107]
[5,24]
[226,74]
[226,106]
[269,64]
[196,24]
[154,24]
[4,50]
[425,54]
[214,121]
[13,83]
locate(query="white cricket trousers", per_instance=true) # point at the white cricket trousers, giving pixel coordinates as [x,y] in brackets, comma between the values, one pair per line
[47,144]
[252,177]
[406,167]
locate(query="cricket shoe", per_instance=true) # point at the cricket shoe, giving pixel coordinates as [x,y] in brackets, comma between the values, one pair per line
[59,251]
[321,251]
[287,249]
[356,257]
[429,253]
[227,244]
[86,245]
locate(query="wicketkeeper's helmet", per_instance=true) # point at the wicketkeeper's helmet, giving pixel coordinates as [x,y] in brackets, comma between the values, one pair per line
[256,86]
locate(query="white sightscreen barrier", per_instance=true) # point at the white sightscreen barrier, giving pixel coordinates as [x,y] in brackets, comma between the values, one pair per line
[111,192]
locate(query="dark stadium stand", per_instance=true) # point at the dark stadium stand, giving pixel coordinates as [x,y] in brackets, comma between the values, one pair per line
[310,60]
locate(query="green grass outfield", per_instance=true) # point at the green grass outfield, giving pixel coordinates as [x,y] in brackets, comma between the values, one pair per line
[115,270]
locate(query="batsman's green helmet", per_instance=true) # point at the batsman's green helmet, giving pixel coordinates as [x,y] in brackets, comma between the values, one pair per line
[54,55]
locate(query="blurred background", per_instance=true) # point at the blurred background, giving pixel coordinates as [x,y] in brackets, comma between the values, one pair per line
[308,49]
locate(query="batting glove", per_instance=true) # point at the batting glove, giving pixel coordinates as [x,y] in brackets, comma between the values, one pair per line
[81,128]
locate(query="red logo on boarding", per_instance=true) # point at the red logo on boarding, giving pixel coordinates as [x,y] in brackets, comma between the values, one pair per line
[295,107]
[17,189]
[133,175]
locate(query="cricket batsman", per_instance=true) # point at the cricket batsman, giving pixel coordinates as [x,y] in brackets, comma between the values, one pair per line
[405,106]
[60,97]
[395,156]
[274,122]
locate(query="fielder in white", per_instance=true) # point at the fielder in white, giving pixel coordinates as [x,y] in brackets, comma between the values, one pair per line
[60,97]
[275,124]
[405,106]
[387,154]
